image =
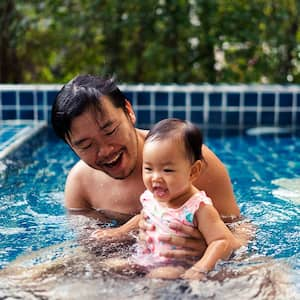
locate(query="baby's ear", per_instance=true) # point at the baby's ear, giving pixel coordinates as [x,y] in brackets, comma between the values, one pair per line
[195,170]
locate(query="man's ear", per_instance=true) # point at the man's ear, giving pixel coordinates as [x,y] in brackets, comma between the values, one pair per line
[130,112]
[195,170]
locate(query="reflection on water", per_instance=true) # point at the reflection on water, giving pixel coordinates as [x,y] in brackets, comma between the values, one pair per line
[91,270]
[288,189]
[59,261]
[80,274]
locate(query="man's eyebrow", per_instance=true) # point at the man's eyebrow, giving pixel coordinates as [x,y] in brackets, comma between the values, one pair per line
[106,124]
[79,142]
[102,127]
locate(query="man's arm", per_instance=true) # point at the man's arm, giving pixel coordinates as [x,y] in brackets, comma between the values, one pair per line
[215,181]
[75,196]
[76,200]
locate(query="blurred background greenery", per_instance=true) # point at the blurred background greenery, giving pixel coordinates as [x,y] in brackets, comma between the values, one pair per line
[166,41]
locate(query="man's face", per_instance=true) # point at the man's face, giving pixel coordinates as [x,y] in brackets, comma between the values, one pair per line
[106,140]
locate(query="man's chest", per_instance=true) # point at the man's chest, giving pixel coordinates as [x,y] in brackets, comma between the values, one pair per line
[116,196]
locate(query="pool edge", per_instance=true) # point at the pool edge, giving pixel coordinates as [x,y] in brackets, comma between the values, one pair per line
[24,136]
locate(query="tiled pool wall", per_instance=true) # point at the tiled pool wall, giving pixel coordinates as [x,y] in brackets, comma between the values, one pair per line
[209,106]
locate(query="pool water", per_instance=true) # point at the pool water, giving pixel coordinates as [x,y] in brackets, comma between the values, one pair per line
[265,172]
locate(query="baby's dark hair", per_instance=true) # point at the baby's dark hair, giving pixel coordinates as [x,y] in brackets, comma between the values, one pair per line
[182,130]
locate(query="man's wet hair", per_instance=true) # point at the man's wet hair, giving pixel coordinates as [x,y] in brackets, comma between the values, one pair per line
[81,93]
[178,129]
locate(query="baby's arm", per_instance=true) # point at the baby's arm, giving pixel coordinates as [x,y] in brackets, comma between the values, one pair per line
[218,237]
[118,232]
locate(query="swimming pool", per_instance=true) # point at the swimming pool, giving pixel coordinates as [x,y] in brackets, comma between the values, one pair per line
[265,172]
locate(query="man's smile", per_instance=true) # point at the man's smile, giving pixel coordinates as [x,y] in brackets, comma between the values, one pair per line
[113,161]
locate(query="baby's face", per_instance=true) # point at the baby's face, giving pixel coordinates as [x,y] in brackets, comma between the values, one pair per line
[166,169]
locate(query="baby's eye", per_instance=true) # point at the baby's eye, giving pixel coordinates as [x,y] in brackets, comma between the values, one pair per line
[147,169]
[168,170]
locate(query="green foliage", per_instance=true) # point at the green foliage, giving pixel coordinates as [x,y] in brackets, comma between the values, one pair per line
[149,41]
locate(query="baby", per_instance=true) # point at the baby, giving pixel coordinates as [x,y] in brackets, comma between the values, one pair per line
[172,160]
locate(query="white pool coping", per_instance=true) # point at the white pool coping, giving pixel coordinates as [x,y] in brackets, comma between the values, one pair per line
[22,135]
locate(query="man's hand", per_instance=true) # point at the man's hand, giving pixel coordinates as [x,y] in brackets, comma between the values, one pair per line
[194,245]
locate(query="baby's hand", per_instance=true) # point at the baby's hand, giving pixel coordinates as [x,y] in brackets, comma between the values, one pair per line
[106,233]
[144,225]
[119,233]
[194,274]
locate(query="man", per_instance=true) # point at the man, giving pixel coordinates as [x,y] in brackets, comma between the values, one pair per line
[96,120]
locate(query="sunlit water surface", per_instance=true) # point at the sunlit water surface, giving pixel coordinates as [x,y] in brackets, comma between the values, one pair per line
[42,258]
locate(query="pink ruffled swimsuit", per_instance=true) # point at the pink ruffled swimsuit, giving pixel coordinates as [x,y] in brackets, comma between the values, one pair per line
[161,217]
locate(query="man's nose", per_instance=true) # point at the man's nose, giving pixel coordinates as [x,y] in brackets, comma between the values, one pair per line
[104,151]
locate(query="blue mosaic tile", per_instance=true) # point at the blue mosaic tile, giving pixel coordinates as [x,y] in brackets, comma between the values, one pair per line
[197,99]
[250,99]
[215,117]
[232,117]
[9,114]
[26,115]
[197,117]
[179,115]
[285,99]
[298,118]
[285,118]
[233,99]
[212,132]
[179,99]
[250,118]
[40,98]
[26,98]
[219,132]
[268,99]
[215,99]
[143,98]
[267,118]
[160,115]
[51,95]
[40,115]
[8,98]
[161,98]
[298,100]
[143,116]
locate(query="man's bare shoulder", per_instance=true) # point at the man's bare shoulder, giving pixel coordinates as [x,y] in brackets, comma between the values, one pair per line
[209,154]
[86,176]
[215,181]
[80,185]
[80,170]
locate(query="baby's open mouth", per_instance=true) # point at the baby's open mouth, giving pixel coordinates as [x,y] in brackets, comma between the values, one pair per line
[159,191]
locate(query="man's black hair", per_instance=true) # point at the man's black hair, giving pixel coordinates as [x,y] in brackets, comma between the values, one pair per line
[81,93]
